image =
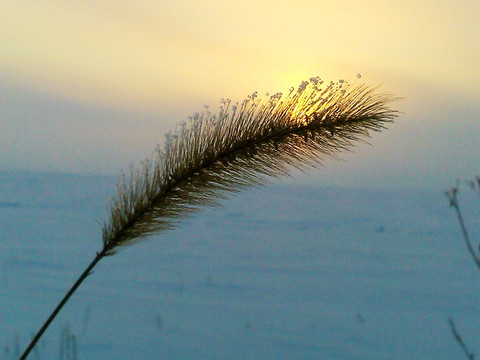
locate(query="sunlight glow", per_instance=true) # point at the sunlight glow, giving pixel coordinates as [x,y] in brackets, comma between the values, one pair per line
[140,54]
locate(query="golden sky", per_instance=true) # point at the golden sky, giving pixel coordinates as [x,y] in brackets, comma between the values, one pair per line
[92,85]
[149,54]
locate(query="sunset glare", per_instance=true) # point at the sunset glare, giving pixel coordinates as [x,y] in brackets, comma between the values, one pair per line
[157,62]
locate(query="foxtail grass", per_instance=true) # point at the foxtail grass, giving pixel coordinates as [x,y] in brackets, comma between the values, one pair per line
[242,145]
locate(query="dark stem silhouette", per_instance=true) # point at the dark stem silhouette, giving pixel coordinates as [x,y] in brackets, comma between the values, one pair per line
[60,305]
[238,148]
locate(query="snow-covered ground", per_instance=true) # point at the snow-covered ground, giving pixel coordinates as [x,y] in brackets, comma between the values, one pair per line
[287,271]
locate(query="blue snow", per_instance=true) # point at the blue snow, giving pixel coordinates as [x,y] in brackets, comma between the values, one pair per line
[287,271]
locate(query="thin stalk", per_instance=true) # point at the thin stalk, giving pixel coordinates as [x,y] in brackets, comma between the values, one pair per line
[460,341]
[52,316]
[466,237]
[452,196]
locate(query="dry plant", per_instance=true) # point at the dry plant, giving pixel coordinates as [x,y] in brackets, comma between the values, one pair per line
[452,196]
[216,154]
[68,344]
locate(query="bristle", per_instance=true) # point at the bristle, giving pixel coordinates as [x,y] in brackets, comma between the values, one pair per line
[238,147]
[241,146]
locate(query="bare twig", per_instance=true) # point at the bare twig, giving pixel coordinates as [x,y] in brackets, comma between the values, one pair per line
[452,195]
[460,341]
[475,185]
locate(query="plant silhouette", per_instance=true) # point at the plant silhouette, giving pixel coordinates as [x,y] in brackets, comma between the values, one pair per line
[245,143]
[452,195]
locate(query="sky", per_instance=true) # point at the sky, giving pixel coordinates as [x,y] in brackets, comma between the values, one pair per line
[91,86]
